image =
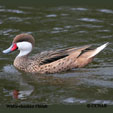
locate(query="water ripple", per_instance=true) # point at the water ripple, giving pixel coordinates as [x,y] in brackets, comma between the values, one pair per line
[104,30]
[12,11]
[90,20]
[72,100]
[89,26]
[100,83]
[102,102]
[2,6]
[106,11]
[8,31]
[10,69]
[16,19]
[63,14]
[58,30]
[1,21]
[51,15]
[79,9]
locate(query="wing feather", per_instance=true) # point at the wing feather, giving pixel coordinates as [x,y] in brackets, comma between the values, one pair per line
[51,56]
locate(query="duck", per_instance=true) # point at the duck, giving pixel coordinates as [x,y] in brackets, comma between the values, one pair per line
[53,61]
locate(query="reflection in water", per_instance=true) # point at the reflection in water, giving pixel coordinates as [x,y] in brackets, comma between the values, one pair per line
[22,95]
[15,94]
[25,89]
[57,27]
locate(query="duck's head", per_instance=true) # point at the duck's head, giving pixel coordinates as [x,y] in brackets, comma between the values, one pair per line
[22,42]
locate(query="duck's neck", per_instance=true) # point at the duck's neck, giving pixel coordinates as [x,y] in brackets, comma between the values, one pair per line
[21,62]
[23,53]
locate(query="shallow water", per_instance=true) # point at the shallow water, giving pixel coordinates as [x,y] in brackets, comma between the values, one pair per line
[57,27]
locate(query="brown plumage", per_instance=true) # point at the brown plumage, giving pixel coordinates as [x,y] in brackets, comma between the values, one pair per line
[24,37]
[51,61]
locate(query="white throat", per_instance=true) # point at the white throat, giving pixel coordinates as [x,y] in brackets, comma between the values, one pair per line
[24,47]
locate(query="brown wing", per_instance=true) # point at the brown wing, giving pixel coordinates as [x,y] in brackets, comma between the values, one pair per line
[51,56]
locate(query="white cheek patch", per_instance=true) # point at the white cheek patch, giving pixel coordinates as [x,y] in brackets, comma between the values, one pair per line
[24,47]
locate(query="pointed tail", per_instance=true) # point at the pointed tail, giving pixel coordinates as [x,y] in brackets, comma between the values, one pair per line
[98,49]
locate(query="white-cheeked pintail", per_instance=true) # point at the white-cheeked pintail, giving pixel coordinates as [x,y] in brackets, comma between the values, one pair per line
[50,61]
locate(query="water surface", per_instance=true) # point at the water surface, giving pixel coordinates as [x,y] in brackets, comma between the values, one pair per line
[58,27]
